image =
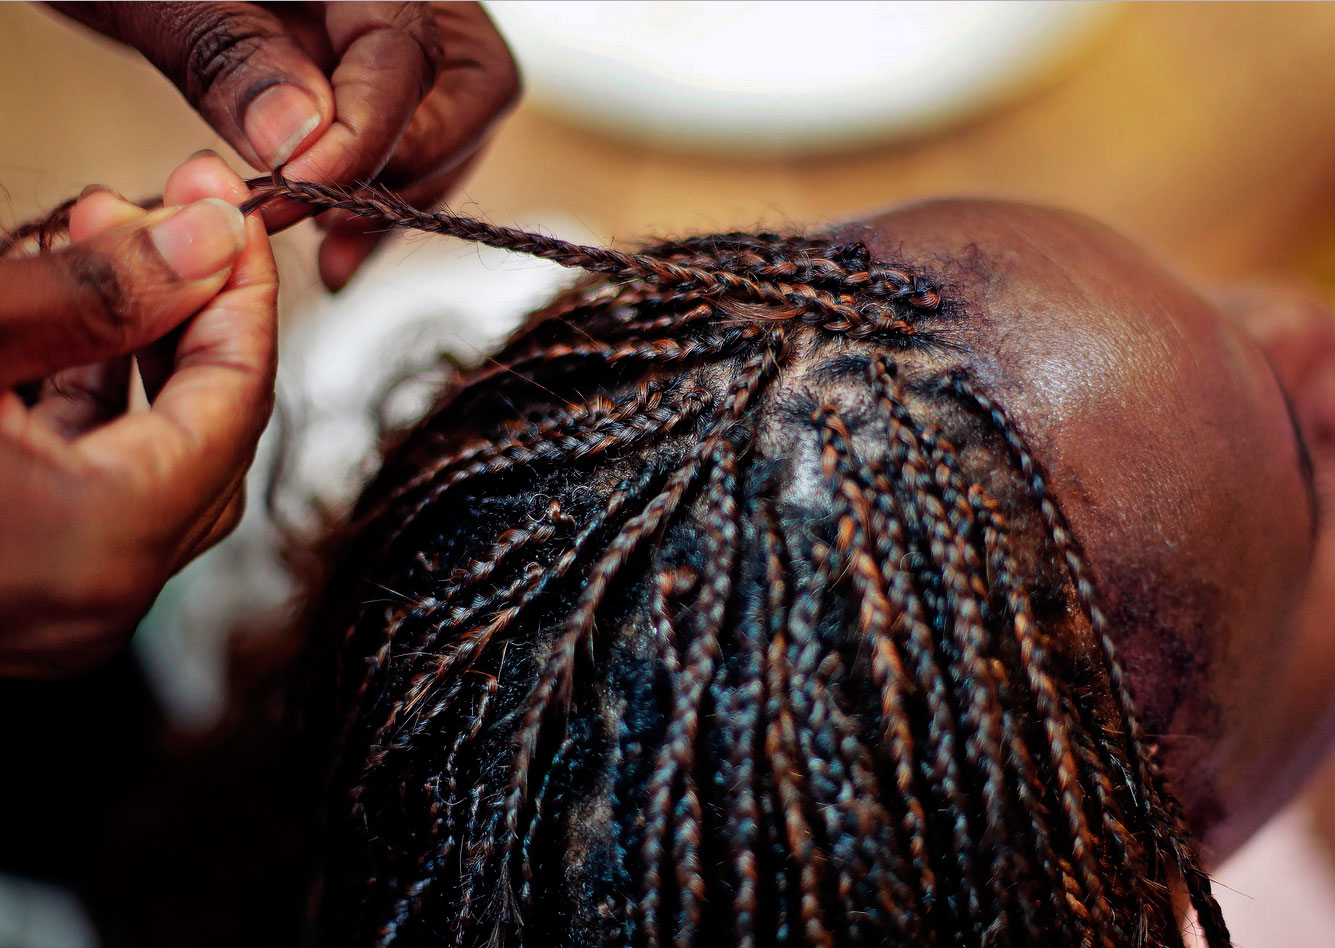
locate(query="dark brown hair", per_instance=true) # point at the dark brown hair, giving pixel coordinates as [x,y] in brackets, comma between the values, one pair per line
[722,607]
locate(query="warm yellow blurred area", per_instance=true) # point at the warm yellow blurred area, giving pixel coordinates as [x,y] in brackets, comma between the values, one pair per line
[1206,131]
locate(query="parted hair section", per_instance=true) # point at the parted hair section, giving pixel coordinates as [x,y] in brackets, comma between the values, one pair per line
[722,607]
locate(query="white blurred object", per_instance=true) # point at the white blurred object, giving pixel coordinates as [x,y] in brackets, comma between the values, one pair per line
[749,76]
[1279,889]
[417,298]
[38,915]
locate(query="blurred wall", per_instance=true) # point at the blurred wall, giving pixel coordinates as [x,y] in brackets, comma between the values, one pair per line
[1206,130]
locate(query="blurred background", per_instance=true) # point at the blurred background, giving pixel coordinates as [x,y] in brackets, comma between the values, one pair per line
[1206,132]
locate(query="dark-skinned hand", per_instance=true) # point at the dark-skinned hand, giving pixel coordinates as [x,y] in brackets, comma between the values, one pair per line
[100,503]
[402,94]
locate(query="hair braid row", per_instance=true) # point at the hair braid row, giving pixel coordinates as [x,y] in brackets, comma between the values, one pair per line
[556,677]
[788,300]
[723,660]
[1158,806]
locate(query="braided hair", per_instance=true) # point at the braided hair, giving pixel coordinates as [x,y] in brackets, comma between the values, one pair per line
[723,607]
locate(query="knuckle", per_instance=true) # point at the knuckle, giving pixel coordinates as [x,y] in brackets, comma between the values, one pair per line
[231,516]
[500,75]
[218,46]
[424,33]
[483,51]
[413,28]
[110,587]
[509,82]
[500,64]
[105,314]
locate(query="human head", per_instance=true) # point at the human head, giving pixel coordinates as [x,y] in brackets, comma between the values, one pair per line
[1190,444]
[736,603]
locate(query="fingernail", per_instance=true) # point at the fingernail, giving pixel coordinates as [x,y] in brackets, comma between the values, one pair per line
[278,121]
[94,189]
[201,239]
[203,153]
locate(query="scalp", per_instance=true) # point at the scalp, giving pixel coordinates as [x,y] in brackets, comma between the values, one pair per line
[740,617]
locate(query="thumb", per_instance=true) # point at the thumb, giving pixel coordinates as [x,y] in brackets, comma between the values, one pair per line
[114,293]
[238,64]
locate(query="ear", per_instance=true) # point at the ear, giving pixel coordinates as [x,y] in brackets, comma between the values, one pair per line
[1296,331]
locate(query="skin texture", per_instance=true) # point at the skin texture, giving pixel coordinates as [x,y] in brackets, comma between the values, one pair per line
[1168,441]
[399,94]
[101,502]
[99,506]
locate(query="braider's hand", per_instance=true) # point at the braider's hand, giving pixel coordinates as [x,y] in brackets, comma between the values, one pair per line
[412,90]
[100,505]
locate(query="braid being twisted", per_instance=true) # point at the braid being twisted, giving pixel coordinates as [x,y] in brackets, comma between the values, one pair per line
[784,300]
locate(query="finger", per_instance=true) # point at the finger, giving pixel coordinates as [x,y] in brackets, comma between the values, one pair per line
[156,362]
[350,240]
[477,86]
[75,401]
[235,63]
[100,210]
[27,448]
[175,462]
[205,175]
[221,526]
[389,57]
[13,415]
[343,253]
[304,22]
[113,293]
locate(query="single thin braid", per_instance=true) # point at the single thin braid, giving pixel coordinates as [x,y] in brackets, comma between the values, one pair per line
[669,591]
[743,704]
[781,748]
[823,879]
[875,622]
[1062,725]
[470,857]
[557,675]
[1143,757]
[536,822]
[657,351]
[796,300]
[443,824]
[676,758]
[778,604]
